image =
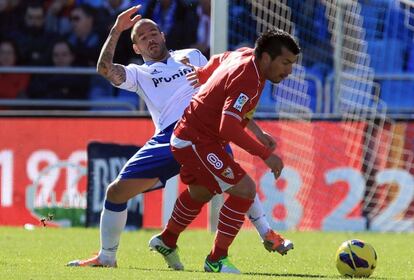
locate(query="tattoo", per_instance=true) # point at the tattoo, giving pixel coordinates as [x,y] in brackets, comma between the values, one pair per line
[118,74]
[105,66]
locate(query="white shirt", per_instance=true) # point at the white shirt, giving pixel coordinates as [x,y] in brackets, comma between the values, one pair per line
[163,86]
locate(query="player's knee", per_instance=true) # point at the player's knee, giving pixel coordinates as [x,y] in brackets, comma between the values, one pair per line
[199,193]
[250,190]
[114,193]
[246,188]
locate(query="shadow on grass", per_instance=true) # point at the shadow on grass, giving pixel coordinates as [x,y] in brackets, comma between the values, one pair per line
[246,273]
[260,273]
[285,275]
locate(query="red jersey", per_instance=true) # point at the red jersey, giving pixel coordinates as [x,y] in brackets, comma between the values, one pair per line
[232,91]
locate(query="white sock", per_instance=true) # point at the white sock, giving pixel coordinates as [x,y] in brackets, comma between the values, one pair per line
[258,217]
[111,227]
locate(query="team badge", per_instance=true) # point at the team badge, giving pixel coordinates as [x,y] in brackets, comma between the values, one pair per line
[228,173]
[241,100]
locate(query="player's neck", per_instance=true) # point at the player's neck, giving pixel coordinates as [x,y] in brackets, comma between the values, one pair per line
[150,60]
[260,68]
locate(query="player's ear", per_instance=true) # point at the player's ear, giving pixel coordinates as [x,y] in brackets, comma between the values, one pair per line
[266,58]
[163,36]
[136,49]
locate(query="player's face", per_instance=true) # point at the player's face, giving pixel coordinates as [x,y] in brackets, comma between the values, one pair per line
[280,67]
[7,54]
[150,42]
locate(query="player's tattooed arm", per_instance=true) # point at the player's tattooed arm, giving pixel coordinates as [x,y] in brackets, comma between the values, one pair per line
[111,71]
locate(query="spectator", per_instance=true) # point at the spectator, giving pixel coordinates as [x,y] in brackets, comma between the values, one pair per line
[60,86]
[33,39]
[57,16]
[203,27]
[84,38]
[115,7]
[11,85]
[11,13]
[176,19]
[106,18]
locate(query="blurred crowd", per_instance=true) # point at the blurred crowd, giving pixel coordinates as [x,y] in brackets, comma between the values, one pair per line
[70,33]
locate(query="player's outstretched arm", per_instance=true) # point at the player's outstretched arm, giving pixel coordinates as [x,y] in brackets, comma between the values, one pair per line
[275,163]
[261,135]
[115,73]
[200,75]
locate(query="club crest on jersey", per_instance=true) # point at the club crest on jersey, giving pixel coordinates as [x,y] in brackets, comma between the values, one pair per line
[228,173]
[241,100]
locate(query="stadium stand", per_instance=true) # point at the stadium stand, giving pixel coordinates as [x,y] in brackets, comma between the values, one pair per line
[387,24]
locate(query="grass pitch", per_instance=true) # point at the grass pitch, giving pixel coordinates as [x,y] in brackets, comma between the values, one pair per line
[43,252]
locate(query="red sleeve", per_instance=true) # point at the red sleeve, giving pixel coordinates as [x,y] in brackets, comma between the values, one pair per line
[207,70]
[232,130]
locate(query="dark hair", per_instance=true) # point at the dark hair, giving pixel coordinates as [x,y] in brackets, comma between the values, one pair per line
[63,41]
[87,9]
[272,42]
[36,5]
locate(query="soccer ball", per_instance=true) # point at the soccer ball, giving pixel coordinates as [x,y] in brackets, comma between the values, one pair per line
[356,258]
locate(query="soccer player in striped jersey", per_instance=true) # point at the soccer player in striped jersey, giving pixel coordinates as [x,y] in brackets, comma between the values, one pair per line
[232,85]
[161,82]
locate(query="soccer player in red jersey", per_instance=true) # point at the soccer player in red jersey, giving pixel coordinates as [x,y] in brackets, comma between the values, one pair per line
[232,85]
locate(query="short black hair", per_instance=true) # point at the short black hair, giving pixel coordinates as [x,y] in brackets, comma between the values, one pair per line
[87,9]
[35,5]
[272,41]
[62,40]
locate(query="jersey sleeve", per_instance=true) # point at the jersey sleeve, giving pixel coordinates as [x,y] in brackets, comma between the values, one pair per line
[205,72]
[237,110]
[131,81]
[232,130]
[201,59]
[240,92]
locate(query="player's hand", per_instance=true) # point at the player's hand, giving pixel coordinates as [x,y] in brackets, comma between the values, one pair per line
[275,163]
[193,79]
[267,140]
[124,20]
[193,76]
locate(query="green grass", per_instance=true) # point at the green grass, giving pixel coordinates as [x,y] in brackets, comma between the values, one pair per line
[43,253]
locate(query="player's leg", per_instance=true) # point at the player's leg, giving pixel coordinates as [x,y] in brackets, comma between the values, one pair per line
[231,219]
[147,170]
[272,241]
[114,213]
[113,219]
[187,206]
[209,165]
[193,173]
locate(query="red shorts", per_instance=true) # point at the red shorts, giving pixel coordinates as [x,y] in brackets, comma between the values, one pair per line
[208,165]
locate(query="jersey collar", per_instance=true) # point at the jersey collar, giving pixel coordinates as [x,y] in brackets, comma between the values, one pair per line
[165,61]
[149,63]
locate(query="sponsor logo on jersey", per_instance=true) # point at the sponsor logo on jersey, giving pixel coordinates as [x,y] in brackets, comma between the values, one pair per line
[228,173]
[155,72]
[241,100]
[181,72]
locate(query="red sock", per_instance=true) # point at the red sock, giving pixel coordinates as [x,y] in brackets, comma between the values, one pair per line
[185,211]
[231,219]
